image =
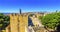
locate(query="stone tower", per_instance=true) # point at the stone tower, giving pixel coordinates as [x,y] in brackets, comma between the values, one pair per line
[20,11]
[18,22]
[14,23]
[23,23]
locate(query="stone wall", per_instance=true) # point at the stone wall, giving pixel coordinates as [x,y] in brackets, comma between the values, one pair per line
[18,23]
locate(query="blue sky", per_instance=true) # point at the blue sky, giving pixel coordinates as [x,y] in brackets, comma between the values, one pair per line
[13,6]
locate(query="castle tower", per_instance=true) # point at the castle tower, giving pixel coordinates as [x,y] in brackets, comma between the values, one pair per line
[23,23]
[14,23]
[18,23]
[25,19]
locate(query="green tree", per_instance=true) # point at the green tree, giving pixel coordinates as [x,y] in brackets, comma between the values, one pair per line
[4,21]
[40,17]
[51,20]
[31,15]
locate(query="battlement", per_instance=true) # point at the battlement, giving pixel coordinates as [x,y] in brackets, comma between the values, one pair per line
[18,22]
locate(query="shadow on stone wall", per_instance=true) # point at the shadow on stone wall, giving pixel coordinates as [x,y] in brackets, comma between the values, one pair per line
[30,22]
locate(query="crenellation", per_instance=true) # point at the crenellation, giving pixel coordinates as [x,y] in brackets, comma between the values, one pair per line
[18,22]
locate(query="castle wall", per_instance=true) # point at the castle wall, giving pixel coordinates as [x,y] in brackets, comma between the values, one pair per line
[18,23]
[14,23]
